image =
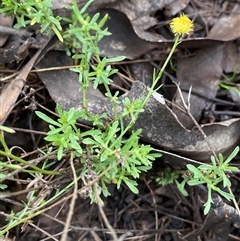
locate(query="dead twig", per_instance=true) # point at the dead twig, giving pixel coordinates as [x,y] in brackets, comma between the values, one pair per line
[187,108]
[72,204]
[154,203]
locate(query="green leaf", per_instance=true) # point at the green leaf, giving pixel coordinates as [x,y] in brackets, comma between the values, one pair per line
[56,31]
[3,186]
[56,22]
[196,172]
[112,130]
[213,161]
[7,129]
[195,182]
[153,155]
[207,206]
[228,196]
[54,130]
[209,201]
[60,153]
[181,187]
[88,141]
[83,9]
[104,155]
[226,181]
[131,184]
[47,119]
[232,168]
[105,190]
[144,168]
[115,59]
[75,145]
[232,155]
[70,115]
[103,21]
[99,140]
[94,18]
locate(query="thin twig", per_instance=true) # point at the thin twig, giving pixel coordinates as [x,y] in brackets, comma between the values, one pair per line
[43,231]
[108,225]
[187,107]
[154,203]
[234,200]
[72,204]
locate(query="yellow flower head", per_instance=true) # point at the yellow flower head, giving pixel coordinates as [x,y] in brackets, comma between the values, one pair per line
[181,25]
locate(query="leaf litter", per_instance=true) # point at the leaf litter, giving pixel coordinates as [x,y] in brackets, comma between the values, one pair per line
[207,56]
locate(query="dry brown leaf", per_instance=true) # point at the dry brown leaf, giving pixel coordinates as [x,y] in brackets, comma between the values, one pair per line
[227,28]
[159,125]
[231,60]
[13,89]
[202,72]
[176,7]
[123,41]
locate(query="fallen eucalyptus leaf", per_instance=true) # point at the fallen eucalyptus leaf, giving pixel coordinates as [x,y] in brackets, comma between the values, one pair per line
[159,124]
[206,70]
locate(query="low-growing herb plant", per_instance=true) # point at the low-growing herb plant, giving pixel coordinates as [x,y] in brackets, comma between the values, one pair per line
[32,12]
[112,153]
[212,175]
[228,84]
[6,152]
[102,147]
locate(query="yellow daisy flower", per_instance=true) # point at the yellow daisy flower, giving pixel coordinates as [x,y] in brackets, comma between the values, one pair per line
[181,25]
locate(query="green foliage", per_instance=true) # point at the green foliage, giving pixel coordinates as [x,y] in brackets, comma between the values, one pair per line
[6,166]
[84,32]
[64,134]
[32,12]
[169,176]
[212,176]
[6,129]
[3,175]
[110,152]
[83,35]
[16,164]
[103,148]
[228,85]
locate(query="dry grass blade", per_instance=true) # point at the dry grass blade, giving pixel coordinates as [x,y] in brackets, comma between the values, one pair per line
[13,89]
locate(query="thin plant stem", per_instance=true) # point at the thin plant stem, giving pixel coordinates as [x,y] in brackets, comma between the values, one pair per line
[152,89]
[18,159]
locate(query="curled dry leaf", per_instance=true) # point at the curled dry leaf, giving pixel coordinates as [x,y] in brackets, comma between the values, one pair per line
[226,28]
[159,124]
[206,70]
[161,127]
[123,39]
[175,7]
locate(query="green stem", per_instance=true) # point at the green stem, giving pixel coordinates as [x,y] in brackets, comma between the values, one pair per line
[124,131]
[112,101]
[131,123]
[15,167]
[4,143]
[18,159]
[176,43]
